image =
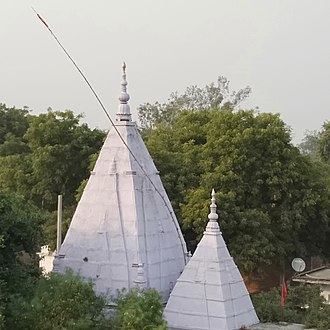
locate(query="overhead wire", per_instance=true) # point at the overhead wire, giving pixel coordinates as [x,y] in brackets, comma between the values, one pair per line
[115,128]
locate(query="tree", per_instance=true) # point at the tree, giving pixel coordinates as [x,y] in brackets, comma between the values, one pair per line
[60,148]
[56,161]
[2,304]
[16,174]
[304,304]
[20,236]
[271,199]
[324,142]
[309,144]
[20,228]
[12,121]
[61,302]
[139,309]
[13,145]
[193,99]
[317,144]
[13,125]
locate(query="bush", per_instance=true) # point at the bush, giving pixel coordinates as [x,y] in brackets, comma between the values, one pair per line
[60,302]
[268,307]
[304,304]
[139,310]
[67,302]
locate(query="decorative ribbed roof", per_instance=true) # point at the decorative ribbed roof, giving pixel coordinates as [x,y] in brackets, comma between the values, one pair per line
[124,233]
[210,293]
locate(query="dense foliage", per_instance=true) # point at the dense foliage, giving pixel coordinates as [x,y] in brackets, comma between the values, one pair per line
[139,309]
[304,304]
[40,157]
[272,201]
[212,96]
[66,301]
[45,155]
[20,237]
[62,302]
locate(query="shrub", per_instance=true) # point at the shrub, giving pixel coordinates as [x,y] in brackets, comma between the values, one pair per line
[139,310]
[304,304]
[63,302]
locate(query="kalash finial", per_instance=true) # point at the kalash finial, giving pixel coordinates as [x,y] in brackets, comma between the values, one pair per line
[124,113]
[213,226]
[140,280]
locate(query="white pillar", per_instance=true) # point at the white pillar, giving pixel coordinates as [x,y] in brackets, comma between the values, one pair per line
[59,224]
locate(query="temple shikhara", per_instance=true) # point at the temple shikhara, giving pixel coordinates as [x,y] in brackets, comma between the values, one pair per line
[210,293]
[124,234]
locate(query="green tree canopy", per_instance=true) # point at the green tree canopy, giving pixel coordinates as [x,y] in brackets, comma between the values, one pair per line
[20,229]
[317,144]
[324,142]
[52,158]
[12,121]
[309,144]
[60,301]
[272,201]
[139,309]
[212,96]
[304,304]
[60,150]
[20,237]
[13,125]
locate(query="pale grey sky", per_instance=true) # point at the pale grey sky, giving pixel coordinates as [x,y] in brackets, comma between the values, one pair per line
[280,48]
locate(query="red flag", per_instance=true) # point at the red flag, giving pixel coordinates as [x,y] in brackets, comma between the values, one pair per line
[43,21]
[284,292]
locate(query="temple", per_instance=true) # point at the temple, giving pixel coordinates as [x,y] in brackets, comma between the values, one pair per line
[210,293]
[124,232]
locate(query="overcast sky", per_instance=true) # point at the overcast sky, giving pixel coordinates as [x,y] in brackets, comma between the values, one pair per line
[279,48]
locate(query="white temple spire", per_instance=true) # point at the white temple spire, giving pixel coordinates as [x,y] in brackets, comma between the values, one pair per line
[122,234]
[124,111]
[213,226]
[210,293]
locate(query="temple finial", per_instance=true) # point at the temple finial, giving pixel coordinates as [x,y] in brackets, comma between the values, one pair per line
[213,216]
[213,225]
[140,281]
[124,113]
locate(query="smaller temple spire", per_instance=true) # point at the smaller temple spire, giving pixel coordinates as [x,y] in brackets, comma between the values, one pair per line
[210,293]
[213,226]
[124,113]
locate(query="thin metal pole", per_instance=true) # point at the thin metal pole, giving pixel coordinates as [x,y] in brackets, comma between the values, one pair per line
[120,136]
[59,223]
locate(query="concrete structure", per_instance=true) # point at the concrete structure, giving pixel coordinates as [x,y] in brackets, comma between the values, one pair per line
[319,276]
[124,233]
[46,259]
[279,326]
[210,293]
